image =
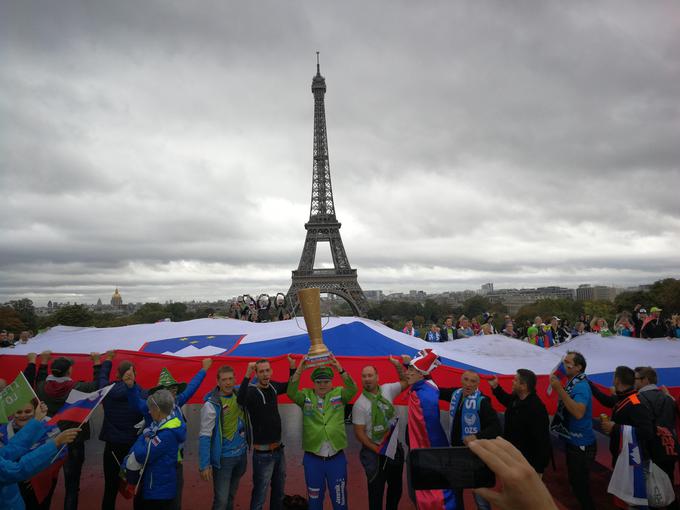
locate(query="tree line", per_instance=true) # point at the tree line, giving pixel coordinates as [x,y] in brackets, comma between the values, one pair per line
[19,315]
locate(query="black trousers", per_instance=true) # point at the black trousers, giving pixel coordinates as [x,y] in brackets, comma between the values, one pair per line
[156,504]
[177,501]
[72,469]
[381,471]
[579,461]
[112,451]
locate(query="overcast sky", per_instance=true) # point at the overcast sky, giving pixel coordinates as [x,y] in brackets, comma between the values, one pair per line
[166,147]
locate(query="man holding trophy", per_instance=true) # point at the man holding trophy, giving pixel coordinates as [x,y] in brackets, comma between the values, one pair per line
[323,407]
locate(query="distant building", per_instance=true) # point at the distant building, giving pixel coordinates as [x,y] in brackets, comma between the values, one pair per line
[116,299]
[554,292]
[515,299]
[584,292]
[374,295]
[487,288]
[587,292]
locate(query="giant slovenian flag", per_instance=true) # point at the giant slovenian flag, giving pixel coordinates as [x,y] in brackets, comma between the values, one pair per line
[179,346]
[79,405]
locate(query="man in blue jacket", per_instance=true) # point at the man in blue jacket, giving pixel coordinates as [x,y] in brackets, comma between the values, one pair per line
[573,421]
[152,463]
[18,462]
[222,441]
[181,392]
[118,428]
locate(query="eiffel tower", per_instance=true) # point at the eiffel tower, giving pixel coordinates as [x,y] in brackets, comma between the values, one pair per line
[323,226]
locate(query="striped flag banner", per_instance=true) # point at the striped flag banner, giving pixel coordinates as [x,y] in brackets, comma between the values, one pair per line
[388,446]
[560,372]
[79,405]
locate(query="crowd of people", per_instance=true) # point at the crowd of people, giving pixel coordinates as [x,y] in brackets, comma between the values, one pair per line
[264,308]
[236,418]
[9,339]
[547,333]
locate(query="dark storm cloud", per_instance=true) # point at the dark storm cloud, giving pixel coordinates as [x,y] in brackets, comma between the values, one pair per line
[166,147]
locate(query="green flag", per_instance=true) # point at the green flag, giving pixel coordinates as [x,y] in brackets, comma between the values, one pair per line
[15,396]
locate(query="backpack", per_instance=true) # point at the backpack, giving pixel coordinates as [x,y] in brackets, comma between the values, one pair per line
[664,445]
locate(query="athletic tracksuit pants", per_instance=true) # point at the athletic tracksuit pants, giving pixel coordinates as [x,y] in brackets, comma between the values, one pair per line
[326,471]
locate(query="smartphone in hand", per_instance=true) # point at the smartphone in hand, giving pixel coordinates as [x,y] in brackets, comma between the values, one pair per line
[448,468]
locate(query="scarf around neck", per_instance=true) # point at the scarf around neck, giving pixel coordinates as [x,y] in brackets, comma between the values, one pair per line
[469,415]
[382,413]
[560,421]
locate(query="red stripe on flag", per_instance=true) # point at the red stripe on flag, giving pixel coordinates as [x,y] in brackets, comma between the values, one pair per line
[75,413]
[43,481]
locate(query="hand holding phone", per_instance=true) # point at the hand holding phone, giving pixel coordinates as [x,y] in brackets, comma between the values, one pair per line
[522,487]
[448,468]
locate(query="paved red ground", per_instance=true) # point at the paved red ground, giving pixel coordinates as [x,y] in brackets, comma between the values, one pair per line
[198,494]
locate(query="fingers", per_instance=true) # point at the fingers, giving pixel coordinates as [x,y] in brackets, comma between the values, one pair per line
[497,458]
[66,437]
[508,448]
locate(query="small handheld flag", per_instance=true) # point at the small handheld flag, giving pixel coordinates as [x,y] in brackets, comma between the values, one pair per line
[79,406]
[15,396]
[388,446]
[560,372]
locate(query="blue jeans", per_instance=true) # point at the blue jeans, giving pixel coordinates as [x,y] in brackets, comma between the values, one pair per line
[268,468]
[226,479]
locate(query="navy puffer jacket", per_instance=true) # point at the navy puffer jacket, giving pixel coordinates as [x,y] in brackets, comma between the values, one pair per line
[119,418]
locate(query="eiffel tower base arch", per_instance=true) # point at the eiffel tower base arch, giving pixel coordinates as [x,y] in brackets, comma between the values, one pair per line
[345,286]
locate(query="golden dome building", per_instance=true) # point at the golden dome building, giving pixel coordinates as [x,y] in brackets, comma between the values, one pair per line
[116,299]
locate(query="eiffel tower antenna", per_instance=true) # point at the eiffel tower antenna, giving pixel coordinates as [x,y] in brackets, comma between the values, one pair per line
[323,225]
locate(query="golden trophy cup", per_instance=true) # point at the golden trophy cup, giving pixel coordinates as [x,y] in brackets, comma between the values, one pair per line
[310,301]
